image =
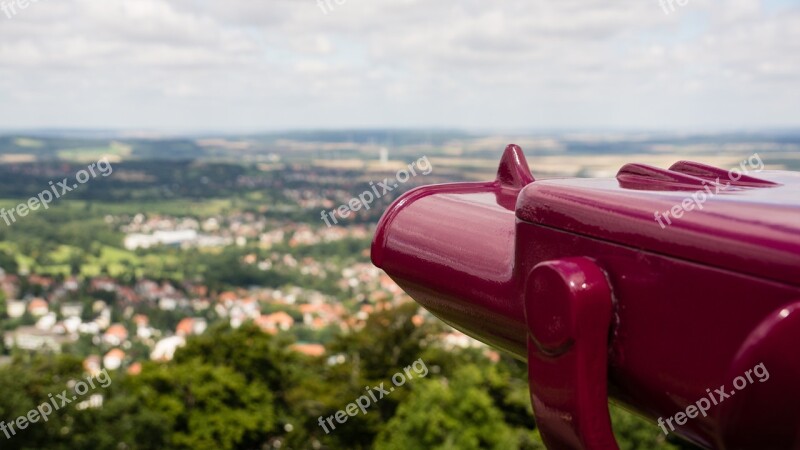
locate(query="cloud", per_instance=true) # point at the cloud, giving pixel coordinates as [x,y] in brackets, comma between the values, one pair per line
[293,63]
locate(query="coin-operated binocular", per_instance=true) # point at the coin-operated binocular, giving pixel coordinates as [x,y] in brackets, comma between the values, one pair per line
[675,292]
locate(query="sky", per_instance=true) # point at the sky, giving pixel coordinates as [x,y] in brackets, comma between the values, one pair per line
[261,65]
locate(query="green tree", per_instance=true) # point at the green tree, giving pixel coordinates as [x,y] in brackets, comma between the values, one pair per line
[448,413]
[634,433]
[202,406]
[8,262]
[259,358]
[26,385]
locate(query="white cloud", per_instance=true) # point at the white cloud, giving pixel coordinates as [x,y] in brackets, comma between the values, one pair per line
[286,63]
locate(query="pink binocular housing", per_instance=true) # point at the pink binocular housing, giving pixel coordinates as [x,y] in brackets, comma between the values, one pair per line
[652,289]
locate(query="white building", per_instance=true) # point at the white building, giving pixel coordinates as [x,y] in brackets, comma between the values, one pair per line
[15,308]
[113,359]
[71,309]
[47,321]
[32,338]
[178,237]
[165,348]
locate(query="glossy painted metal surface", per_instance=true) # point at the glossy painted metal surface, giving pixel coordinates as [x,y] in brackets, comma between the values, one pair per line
[750,230]
[567,355]
[451,247]
[695,303]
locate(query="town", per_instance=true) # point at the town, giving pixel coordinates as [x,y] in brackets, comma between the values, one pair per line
[205,285]
[140,295]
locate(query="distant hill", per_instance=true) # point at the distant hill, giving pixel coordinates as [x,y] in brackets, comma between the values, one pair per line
[327,145]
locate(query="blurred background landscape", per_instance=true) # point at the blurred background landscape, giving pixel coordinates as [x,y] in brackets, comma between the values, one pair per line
[199,274]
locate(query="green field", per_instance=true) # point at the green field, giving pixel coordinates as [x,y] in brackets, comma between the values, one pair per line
[171,207]
[116,150]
